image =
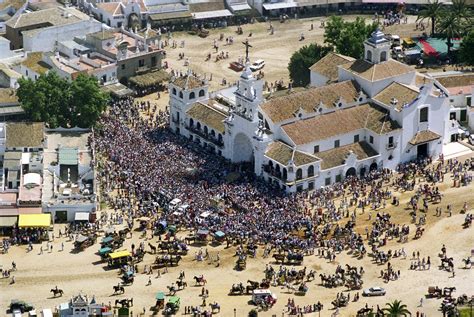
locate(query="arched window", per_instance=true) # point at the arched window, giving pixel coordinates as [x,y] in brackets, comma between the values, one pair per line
[383,56]
[270,163]
[299,173]
[201,93]
[369,56]
[213,133]
[174,91]
[285,174]
[205,130]
[219,137]
[192,95]
[424,114]
[198,125]
[311,171]
[181,94]
[191,122]
[278,171]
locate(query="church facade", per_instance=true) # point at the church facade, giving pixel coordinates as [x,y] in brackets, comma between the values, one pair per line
[357,116]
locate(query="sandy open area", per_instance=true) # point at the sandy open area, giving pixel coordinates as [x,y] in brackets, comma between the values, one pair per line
[37,274]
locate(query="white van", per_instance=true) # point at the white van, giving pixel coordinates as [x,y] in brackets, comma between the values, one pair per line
[260,295]
[257,65]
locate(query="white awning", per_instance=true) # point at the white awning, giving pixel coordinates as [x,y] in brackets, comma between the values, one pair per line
[81,216]
[211,14]
[279,5]
[240,7]
[32,178]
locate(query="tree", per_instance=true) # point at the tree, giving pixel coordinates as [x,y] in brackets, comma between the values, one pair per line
[455,22]
[396,309]
[61,103]
[348,37]
[466,49]
[302,60]
[431,12]
[253,313]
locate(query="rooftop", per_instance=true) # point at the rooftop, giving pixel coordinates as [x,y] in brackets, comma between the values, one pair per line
[48,17]
[336,157]
[8,96]
[327,66]
[340,122]
[34,62]
[208,115]
[16,4]
[398,94]
[458,83]
[424,137]
[284,107]
[188,82]
[25,135]
[283,154]
[375,72]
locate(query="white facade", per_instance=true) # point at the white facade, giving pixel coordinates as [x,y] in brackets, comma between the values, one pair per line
[323,141]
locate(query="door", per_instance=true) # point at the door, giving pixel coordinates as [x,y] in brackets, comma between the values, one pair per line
[61,216]
[463,115]
[422,151]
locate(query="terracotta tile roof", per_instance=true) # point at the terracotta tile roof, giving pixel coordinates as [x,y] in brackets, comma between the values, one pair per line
[283,153]
[47,17]
[327,66]
[340,122]
[285,107]
[109,7]
[374,72]
[337,156]
[25,134]
[458,80]
[207,6]
[8,96]
[423,137]
[208,115]
[188,82]
[34,62]
[402,93]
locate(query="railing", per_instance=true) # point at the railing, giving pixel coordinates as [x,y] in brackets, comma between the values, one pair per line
[273,172]
[206,136]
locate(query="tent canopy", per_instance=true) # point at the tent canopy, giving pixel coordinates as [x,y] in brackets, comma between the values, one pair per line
[119,254]
[8,221]
[38,220]
[150,79]
[81,216]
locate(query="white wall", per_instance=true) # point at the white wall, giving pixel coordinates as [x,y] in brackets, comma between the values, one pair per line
[317,80]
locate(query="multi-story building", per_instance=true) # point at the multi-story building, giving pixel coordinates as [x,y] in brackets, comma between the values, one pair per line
[375,113]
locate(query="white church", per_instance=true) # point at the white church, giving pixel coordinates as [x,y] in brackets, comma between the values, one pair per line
[358,115]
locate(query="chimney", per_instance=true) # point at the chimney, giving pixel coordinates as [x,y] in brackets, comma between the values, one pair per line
[393,101]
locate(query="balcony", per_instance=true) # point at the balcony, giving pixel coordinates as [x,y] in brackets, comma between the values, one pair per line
[270,170]
[206,136]
[391,146]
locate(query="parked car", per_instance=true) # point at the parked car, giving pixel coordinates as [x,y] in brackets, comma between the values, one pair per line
[257,65]
[374,291]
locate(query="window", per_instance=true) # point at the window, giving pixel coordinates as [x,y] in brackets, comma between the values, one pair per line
[299,173]
[316,148]
[181,94]
[356,138]
[311,171]
[141,62]
[153,61]
[202,93]
[383,56]
[424,114]
[338,178]
[27,72]
[369,56]
[337,143]
[390,141]
[123,66]
[311,186]
[192,95]
[299,188]
[285,174]
[468,101]
[371,139]
[174,91]
[327,181]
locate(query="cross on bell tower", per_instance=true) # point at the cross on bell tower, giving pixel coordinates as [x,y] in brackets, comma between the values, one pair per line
[247,45]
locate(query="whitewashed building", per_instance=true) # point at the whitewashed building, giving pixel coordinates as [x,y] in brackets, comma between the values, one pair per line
[362,115]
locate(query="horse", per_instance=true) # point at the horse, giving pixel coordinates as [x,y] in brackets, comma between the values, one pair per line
[172,289]
[57,291]
[152,247]
[237,288]
[124,302]
[181,284]
[119,288]
[200,280]
[467,262]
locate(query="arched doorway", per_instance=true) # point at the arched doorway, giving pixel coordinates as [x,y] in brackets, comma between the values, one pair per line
[133,21]
[362,172]
[243,150]
[373,167]
[351,172]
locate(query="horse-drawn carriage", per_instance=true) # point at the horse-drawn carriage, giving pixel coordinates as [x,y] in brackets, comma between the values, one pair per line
[199,31]
[219,237]
[160,301]
[340,301]
[292,258]
[434,291]
[104,252]
[82,242]
[241,263]
[128,278]
[302,289]
[118,258]
[263,297]
[201,236]
[112,241]
[172,306]
[237,289]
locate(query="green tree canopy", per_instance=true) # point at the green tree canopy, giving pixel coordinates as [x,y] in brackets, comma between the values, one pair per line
[60,102]
[348,37]
[396,309]
[466,51]
[431,12]
[302,60]
[455,21]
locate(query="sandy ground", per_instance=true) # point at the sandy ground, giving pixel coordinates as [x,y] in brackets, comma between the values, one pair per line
[37,274]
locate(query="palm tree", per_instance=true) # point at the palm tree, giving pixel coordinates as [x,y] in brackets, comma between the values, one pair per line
[450,26]
[396,309]
[431,12]
[460,9]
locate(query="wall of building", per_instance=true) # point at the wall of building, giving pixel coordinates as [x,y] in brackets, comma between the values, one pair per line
[317,80]
[128,67]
